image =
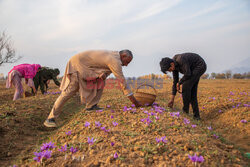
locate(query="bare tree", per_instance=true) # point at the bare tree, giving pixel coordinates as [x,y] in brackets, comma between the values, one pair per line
[7,52]
[228,74]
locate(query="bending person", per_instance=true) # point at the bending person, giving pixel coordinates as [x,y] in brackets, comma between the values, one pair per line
[85,72]
[192,66]
[43,77]
[27,71]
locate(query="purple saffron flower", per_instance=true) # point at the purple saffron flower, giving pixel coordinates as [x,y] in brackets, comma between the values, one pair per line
[63,148]
[195,158]
[219,111]
[73,150]
[209,128]
[158,140]
[186,121]
[243,121]
[115,155]
[47,154]
[194,126]
[157,118]
[99,110]
[108,106]
[200,159]
[112,144]
[38,156]
[215,136]
[47,146]
[112,111]
[68,133]
[14,166]
[175,114]
[125,108]
[87,124]
[91,141]
[115,123]
[111,116]
[163,139]
[148,121]
[154,104]
[133,105]
[98,124]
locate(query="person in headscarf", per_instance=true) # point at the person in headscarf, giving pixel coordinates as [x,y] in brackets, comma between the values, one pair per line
[85,72]
[15,75]
[43,77]
[192,66]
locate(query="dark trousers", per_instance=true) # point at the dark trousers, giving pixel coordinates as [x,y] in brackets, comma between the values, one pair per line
[189,92]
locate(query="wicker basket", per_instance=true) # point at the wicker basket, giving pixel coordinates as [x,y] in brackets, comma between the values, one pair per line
[145,98]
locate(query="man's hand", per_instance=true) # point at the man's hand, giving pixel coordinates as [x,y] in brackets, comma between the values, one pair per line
[170,104]
[134,101]
[178,87]
[102,76]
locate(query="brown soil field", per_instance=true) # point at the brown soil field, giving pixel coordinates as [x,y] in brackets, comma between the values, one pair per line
[221,137]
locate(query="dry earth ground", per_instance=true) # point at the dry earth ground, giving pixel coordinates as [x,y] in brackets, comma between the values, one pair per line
[223,104]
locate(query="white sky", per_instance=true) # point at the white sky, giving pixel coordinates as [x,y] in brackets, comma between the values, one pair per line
[49,32]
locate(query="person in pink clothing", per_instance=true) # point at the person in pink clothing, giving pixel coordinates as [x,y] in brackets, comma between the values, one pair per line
[27,71]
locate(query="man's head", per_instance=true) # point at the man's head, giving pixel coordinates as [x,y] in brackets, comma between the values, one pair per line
[56,71]
[167,64]
[126,57]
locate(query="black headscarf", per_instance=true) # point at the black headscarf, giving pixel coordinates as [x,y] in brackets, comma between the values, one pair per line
[165,64]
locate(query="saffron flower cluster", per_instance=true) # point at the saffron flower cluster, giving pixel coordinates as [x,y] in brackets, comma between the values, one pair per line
[73,150]
[243,121]
[68,133]
[146,121]
[162,139]
[45,152]
[47,146]
[186,121]
[115,123]
[40,155]
[63,148]
[175,114]
[196,158]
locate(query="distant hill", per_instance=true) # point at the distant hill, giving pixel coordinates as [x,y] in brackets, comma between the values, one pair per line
[241,67]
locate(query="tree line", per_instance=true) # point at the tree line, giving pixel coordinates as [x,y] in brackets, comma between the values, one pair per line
[226,75]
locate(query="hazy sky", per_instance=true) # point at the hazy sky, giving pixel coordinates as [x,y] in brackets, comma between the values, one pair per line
[49,32]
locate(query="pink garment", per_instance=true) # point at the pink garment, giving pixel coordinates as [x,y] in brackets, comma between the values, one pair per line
[26,70]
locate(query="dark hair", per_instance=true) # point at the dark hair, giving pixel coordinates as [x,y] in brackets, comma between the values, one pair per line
[165,64]
[56,70]
[128,52]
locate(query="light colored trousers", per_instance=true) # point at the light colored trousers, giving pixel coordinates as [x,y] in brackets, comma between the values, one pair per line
[17,82]
[66,94]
